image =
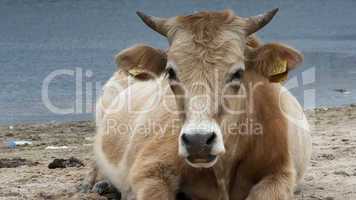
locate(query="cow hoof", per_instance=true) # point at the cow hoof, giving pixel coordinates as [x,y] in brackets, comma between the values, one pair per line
[105,188]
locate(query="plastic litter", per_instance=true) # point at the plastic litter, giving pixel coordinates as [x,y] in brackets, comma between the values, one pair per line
[91,139]
[22,143]
[12,144]
[7,145]
[56,147]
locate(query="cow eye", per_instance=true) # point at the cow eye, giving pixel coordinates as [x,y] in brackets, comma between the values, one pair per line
[171,74]
[236,76]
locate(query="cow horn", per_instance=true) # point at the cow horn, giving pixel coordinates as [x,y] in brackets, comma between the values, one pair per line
[156,23]
[255,23]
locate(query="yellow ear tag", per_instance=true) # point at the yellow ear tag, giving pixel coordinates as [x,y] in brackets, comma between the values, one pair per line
[279,67]
[136,71]
[279,71]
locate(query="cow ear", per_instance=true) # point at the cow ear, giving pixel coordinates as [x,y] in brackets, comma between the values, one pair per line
[274,60]
[142,61]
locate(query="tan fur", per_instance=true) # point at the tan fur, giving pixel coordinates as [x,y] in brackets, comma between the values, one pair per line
[142,57]
[206,25]
[143,163]
[263,58]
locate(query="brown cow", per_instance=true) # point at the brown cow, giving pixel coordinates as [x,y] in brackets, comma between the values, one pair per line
[205,119]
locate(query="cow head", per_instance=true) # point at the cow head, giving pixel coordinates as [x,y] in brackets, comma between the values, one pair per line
[206,60]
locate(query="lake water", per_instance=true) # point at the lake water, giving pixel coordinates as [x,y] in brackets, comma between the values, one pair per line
[39,37]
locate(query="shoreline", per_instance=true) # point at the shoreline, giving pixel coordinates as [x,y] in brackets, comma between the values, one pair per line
[332,172]
[79,121]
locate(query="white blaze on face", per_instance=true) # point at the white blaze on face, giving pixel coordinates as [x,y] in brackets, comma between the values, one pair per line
[201,139]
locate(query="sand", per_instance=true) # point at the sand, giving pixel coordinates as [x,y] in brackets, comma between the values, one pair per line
[332,174]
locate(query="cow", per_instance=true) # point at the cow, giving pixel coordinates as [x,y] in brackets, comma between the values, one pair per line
[207,118]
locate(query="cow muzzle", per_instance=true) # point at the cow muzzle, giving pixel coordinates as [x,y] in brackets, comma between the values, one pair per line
[201,148]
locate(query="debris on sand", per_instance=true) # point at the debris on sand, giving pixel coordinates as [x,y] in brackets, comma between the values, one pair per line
[16,162]
[12,144]
[90,139]
[22,143]
[55,147]
[64,163]
[342,173]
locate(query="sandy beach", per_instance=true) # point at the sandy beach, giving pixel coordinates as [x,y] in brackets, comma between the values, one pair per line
[41,37]
[332,173]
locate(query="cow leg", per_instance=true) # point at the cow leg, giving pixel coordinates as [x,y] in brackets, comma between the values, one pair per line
[90,178]
[153,179]
[273,187]
[153,188]
[95,182]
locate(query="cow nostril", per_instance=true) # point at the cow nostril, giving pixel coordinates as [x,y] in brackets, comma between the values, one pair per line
[198,140]
[211,138]
[185,139]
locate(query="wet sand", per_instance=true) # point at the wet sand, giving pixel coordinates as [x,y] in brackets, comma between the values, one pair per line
[332,174]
